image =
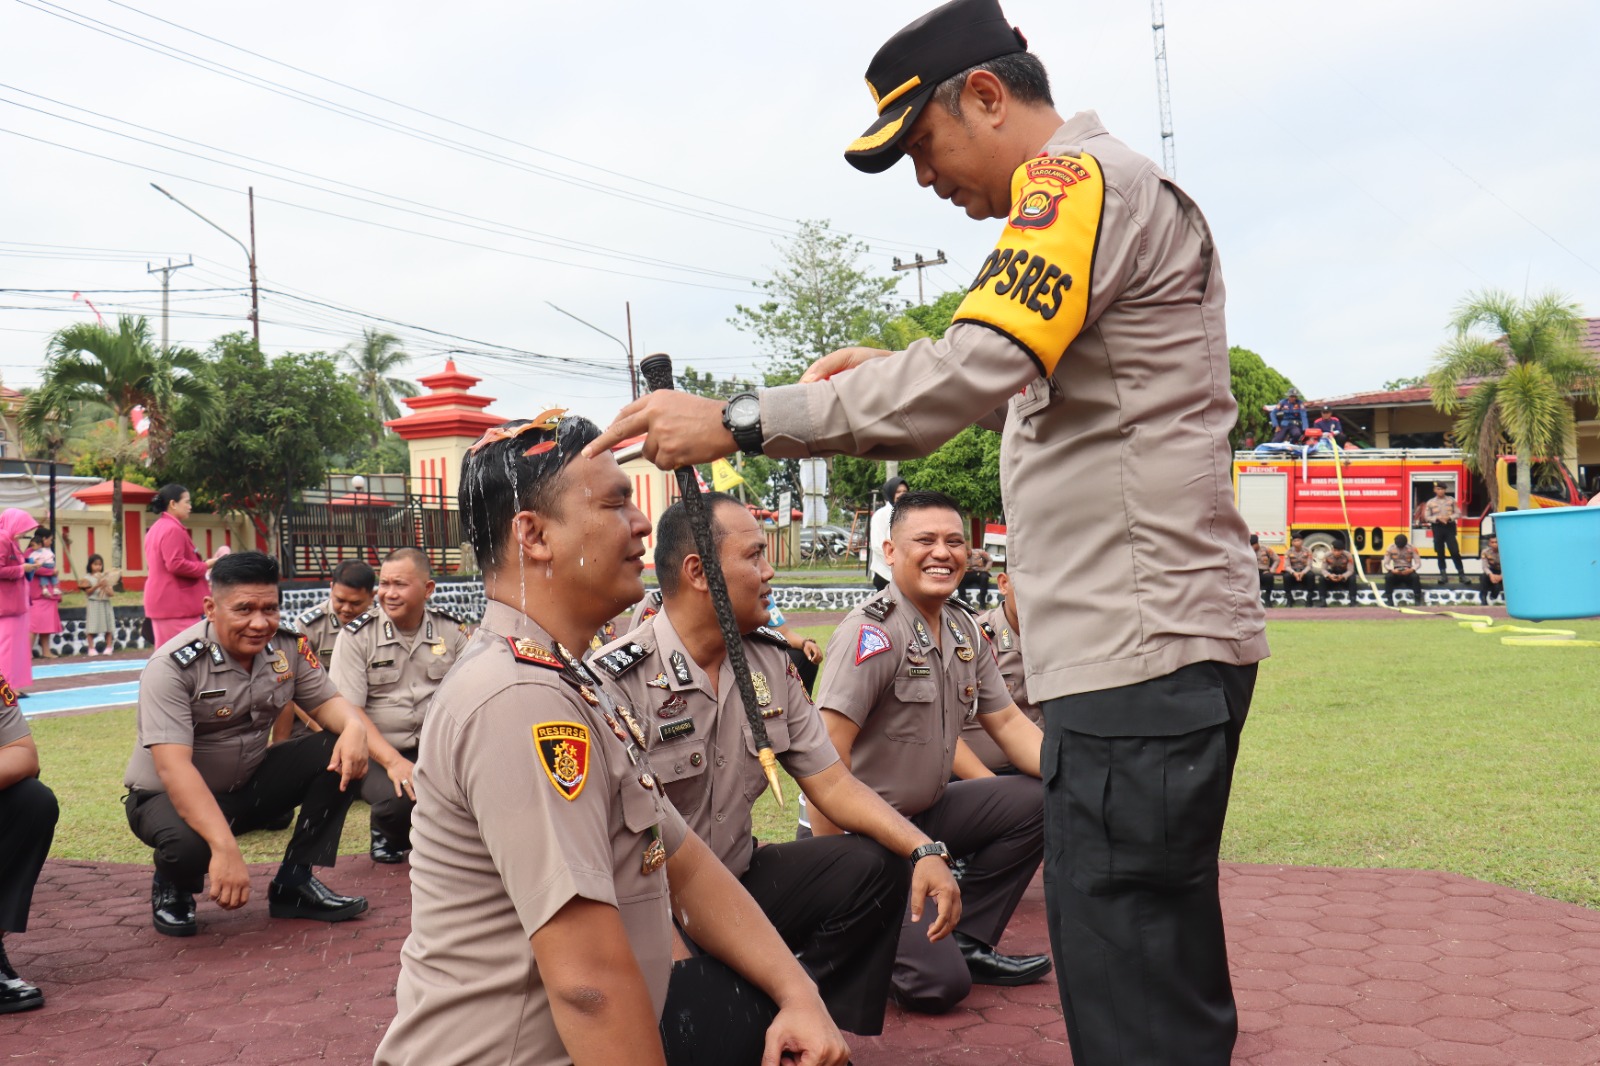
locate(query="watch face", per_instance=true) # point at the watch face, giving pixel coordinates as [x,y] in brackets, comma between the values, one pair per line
[744,411]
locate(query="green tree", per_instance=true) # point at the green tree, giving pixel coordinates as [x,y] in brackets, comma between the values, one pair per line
[707,384]
[1415,381]
[819,299]
[1522,373]
[375,357]
[966,468]
[287,416]
[934,319]
[1256,386]
[122,369]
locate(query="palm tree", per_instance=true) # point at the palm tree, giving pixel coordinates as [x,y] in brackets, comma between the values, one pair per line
[371,363]
[1522,381]
[121,368]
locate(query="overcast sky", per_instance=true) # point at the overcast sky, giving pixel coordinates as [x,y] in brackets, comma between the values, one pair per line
[1364,165]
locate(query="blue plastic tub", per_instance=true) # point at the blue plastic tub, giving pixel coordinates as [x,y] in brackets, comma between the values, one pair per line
[1551,559]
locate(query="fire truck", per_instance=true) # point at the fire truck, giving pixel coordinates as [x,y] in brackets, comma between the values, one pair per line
[1285,495]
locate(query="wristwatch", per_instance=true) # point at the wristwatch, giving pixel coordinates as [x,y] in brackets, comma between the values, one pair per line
[935,848]
[742,417]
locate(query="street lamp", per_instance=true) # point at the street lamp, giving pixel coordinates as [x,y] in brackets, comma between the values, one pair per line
[250,252]
[633,377]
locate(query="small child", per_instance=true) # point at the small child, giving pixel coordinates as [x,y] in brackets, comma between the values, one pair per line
[97,586]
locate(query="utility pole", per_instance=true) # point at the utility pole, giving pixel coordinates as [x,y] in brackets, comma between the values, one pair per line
[919,266]
[633,375]
[1158,25]
[166,279]
[250,252]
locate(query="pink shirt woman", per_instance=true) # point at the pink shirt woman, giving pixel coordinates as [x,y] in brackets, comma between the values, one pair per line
[16,651]
[176,587]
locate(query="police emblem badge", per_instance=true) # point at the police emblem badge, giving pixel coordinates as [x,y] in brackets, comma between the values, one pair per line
[758,681]
[872,640]
[563,749]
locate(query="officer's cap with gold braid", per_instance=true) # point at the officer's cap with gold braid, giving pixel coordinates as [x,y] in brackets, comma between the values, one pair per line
[912,63]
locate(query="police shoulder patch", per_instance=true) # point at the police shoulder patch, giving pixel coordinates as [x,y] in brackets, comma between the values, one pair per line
[1034,287]
[771,636]
[531,651]
[360,620]
[186,655]
[872,640]
[308,617]
[307,652]
[563,751]
[618,659]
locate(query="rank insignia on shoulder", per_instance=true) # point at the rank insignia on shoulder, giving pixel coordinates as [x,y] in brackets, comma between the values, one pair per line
[877,610]
[1007,641]
[186,655]
[287,630]
[683,727]
[871,641]
[531,651]
[355,624]
[772,712]
[655,597]
[620,660]
[680,668]
[958,602]
[659,681]
[956,631]
[312,615]
[758,681]
[217,658]
[772,636]
[922,633]
[965,653]
[986,629]
[450,613]
[388,629]
[563,750]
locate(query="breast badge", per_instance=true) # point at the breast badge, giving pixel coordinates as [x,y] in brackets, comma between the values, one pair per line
[280,665]
[655,852]
[563,749]
[672,706]
[964,653]
[659,681]
[758,681]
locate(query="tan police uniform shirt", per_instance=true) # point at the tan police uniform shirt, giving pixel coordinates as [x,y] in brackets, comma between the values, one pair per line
[193,693]
[392,674]
[1396,557]
[1007,647]
[527,797]
[910,687]
[1438,509]
[320,626]
[1115,464]
[1298,560]
[1266,559]
[644,610]
[1489,556]
[700,741]
[13,727]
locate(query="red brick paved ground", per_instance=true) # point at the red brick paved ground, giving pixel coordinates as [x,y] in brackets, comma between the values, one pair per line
[1332,967]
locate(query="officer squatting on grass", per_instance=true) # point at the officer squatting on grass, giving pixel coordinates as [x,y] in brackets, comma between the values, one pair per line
[547,867]
[1103,306]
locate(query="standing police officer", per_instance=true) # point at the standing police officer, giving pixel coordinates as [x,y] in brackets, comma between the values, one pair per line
[541,924]
[836,901]
[350,592]
[202,772]
[1102,305]
[391,663]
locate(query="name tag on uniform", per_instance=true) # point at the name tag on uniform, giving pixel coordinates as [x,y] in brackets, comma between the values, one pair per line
[213,693]
[672,730]
[380,662]
[919,671]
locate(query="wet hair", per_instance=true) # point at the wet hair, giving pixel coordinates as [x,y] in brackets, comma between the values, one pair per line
[244,568]
[354,574]
[501,480]
[675,538]
[921,500]
[1401,540]
[95,558]
[1022,73]
[416,557]
[169,495]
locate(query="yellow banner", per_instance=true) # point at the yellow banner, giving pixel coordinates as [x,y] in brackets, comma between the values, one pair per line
[723,475]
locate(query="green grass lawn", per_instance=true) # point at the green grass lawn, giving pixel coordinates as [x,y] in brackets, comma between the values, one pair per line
[1370,743]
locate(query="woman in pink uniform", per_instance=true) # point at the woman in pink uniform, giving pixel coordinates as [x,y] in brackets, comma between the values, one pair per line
[176,586]
[16,651]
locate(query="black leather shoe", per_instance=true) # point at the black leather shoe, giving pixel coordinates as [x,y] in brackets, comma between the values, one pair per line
[989,967]
[171,909]
[313,900]
[384,850]
[15,993]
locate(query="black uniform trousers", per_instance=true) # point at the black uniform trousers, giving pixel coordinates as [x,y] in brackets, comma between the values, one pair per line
[713,1017]
[1444,539]
[1137,781]
[293,774]
[28,813]
[391,814]
[837,902]
[1487,588]
[1412,581]
[1306,584]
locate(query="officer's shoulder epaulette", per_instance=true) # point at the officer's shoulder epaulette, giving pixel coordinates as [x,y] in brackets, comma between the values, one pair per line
[770,635]
[451,613]
[878,609]
[287,630]
[526,650]
[617,659]
[355,624]
[188,654]
[307,617]
[957,601]
[655,597]
[988,630]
